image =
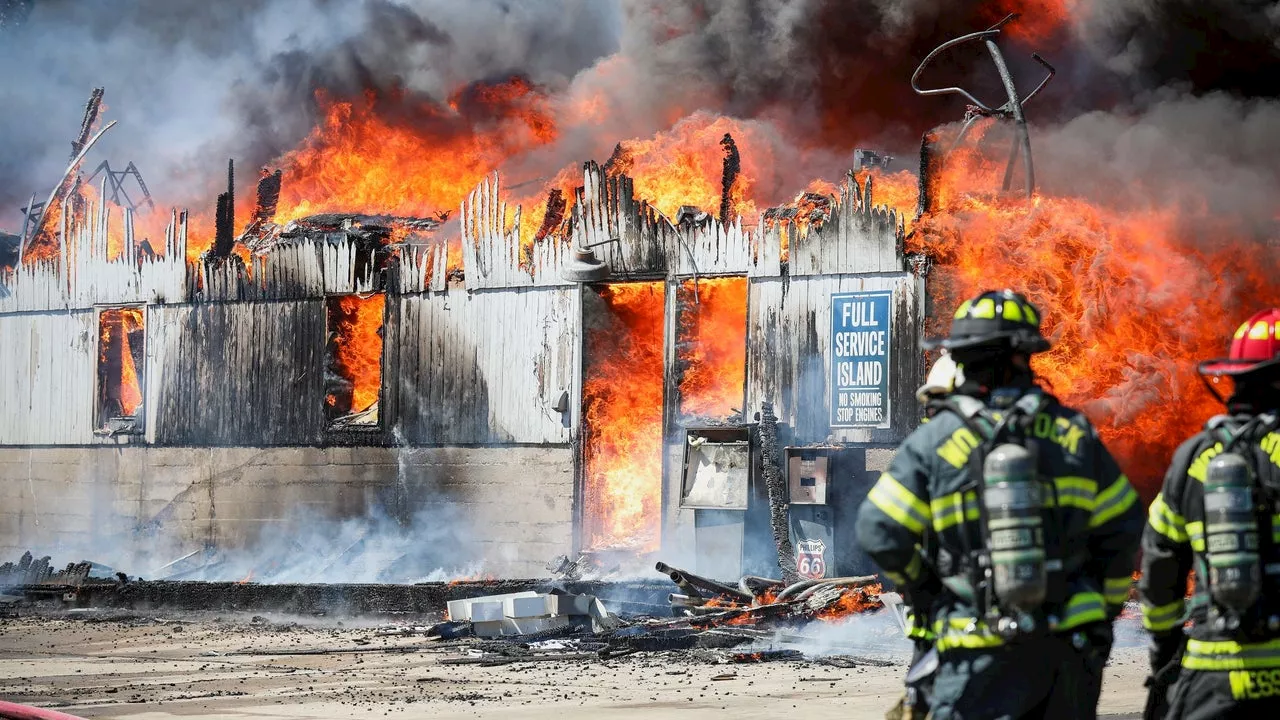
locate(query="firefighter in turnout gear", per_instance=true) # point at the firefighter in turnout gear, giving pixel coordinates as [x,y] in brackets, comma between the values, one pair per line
[1218,516]
[1007,516]
[914,703]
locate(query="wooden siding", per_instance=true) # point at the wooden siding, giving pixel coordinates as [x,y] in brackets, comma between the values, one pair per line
[82,276]
[49,370]
[858,238]
[789,352]
[483,367]
[237,374]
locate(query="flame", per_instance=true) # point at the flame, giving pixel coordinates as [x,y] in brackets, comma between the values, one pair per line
[683,166]
[713,348]
[622,419]
[385,154]
[853,601]
[245,580]
[1129,300]
[115,325]
[358,323]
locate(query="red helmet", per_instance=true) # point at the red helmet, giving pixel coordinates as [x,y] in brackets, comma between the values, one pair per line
[1256,346]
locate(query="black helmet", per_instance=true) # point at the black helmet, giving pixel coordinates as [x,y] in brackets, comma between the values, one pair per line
[995,319]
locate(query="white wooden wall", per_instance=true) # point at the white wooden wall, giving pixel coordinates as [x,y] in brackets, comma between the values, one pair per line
[486,366]
[48,377]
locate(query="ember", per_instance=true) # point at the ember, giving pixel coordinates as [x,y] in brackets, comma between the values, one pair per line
[622,419]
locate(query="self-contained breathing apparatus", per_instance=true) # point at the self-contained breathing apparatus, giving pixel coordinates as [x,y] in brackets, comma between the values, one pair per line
[1007,575]
[1239,550]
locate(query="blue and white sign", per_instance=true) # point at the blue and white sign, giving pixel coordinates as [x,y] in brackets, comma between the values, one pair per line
[860,334]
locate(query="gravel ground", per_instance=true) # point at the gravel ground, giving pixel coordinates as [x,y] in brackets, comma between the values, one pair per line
[102,664]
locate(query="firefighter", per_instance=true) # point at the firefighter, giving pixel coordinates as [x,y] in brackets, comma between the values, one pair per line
[914,703]
[1009,512]
[1218,516]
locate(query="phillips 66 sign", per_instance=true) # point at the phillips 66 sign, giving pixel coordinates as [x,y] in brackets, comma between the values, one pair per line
[860,336]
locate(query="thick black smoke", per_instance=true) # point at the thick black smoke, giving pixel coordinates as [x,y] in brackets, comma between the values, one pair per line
[194,82]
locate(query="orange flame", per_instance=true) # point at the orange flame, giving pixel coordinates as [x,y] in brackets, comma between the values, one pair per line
[713,347]
[1129,301]
[853,601]
[245,580]
[114,351]
[683,166]
[359,347]
[622,419]
[383,155]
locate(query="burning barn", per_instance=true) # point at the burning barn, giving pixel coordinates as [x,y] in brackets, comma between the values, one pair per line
[500,396]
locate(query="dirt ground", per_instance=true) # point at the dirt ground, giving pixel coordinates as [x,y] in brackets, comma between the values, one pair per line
[112,665]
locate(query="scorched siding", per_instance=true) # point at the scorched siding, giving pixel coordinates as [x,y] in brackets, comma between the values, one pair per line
[239,373]
[482,367]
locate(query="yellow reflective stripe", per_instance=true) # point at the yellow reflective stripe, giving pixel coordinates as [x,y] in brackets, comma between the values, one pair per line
[1275,529]
[1158,618]
[916,629]
[1117,590]
[912,570]
[1195,531]
[964,633]
[897,502]
[1083,607]
[949,510]
[1229,655]
[1165,521]
[897,578]
[1076,492]
[964,309]
[1011,311]
[1112,502]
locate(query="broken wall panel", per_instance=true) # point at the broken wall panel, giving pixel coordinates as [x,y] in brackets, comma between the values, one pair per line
[82,275]
[240,374]
[482,367]
[859,237]
[789,353]
[48,362]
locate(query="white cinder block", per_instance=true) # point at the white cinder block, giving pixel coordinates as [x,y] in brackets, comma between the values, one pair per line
[571,604]
[527,607]
[487,611]
[527,626]
[488,628]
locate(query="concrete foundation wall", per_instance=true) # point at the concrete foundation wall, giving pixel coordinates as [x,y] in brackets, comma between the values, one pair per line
[500,511]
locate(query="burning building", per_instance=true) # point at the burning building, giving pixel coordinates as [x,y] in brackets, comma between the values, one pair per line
[572,357]
[187,404]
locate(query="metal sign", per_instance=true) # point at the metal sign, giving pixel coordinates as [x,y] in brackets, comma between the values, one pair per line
[861,329]
[811,561]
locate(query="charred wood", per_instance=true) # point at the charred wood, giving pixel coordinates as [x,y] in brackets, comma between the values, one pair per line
[224,235]
[779,505]
[728,176]
[554,216]
[705,587]
[268,195]
[91,110]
